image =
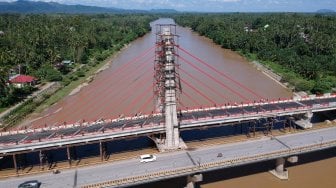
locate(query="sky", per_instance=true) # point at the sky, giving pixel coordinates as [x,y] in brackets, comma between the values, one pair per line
[210,5]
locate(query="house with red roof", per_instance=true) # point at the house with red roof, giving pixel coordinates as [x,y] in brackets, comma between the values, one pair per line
[21,80]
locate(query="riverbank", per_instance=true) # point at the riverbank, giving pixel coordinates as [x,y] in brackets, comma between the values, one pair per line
[5,111]
[72,88]
[16,113]
[284,77]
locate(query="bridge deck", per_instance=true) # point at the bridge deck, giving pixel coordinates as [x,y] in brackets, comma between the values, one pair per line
[187,162]
[137,124]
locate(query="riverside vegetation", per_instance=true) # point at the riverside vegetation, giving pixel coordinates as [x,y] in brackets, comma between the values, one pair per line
[37,44]
[299,47]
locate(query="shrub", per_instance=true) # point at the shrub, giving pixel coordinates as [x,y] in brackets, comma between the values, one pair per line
[80,73]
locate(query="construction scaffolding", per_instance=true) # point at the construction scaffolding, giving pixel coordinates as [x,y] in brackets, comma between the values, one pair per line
[167,81]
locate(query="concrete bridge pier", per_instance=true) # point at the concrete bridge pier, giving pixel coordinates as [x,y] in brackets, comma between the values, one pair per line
[305,122]
[103,150]
[15,164]
[192,179]
[162,145]
[42,159]
[69,155]
[289,122]
[159,140]
[280,171]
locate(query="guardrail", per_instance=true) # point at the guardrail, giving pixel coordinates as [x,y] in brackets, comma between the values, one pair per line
[185,123]
[211,166]
[89,138]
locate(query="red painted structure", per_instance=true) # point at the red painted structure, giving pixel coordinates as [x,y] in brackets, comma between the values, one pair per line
[22,80]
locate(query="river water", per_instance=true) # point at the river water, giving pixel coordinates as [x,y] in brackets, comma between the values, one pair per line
[125,88]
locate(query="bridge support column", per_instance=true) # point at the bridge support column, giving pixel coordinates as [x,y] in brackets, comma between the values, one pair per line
[192,179]
[41,156]
[69,155]
[15,163]
[280,171]
[289,122]
[168,86]
[177,136]
[102,150]
[305,123]
[173,140]
[161,142]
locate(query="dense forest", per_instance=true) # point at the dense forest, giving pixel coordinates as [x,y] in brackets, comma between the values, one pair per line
[37,44]
[300,47]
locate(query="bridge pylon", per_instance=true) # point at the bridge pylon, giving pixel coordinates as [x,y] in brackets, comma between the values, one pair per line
[167,85]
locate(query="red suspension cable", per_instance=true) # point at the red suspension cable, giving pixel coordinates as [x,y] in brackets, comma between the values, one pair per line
[198,91]
[222,74]
[137,99]
[181,103]
[191,98]
[94,107]
[124,66]
[133,71]
[102,83]
[135,59]
[214,79]
[203,84]
[143,107]
[139,84]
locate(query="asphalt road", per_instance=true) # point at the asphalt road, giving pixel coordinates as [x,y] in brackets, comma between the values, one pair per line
[168,161]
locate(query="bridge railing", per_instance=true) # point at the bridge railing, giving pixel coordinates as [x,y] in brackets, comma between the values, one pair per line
[248,113]
[226,116]
[264,113]
[118,130]
[72,125]
[258,103]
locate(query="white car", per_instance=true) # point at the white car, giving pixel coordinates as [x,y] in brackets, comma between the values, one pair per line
[147,158]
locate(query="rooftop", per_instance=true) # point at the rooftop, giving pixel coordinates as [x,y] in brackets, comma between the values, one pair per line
[22,79]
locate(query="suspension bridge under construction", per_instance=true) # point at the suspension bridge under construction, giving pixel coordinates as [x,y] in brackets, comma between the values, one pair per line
[170,115]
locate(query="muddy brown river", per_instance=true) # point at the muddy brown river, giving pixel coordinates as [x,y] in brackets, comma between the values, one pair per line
[125,88]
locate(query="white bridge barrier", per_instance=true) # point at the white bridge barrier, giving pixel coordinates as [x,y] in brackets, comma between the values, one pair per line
[137,129]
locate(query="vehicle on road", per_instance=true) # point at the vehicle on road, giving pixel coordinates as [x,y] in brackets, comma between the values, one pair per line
[30,184]
[147,158]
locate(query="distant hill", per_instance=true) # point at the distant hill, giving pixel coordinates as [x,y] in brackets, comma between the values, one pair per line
[25,6]
[163,11]
[326,11]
